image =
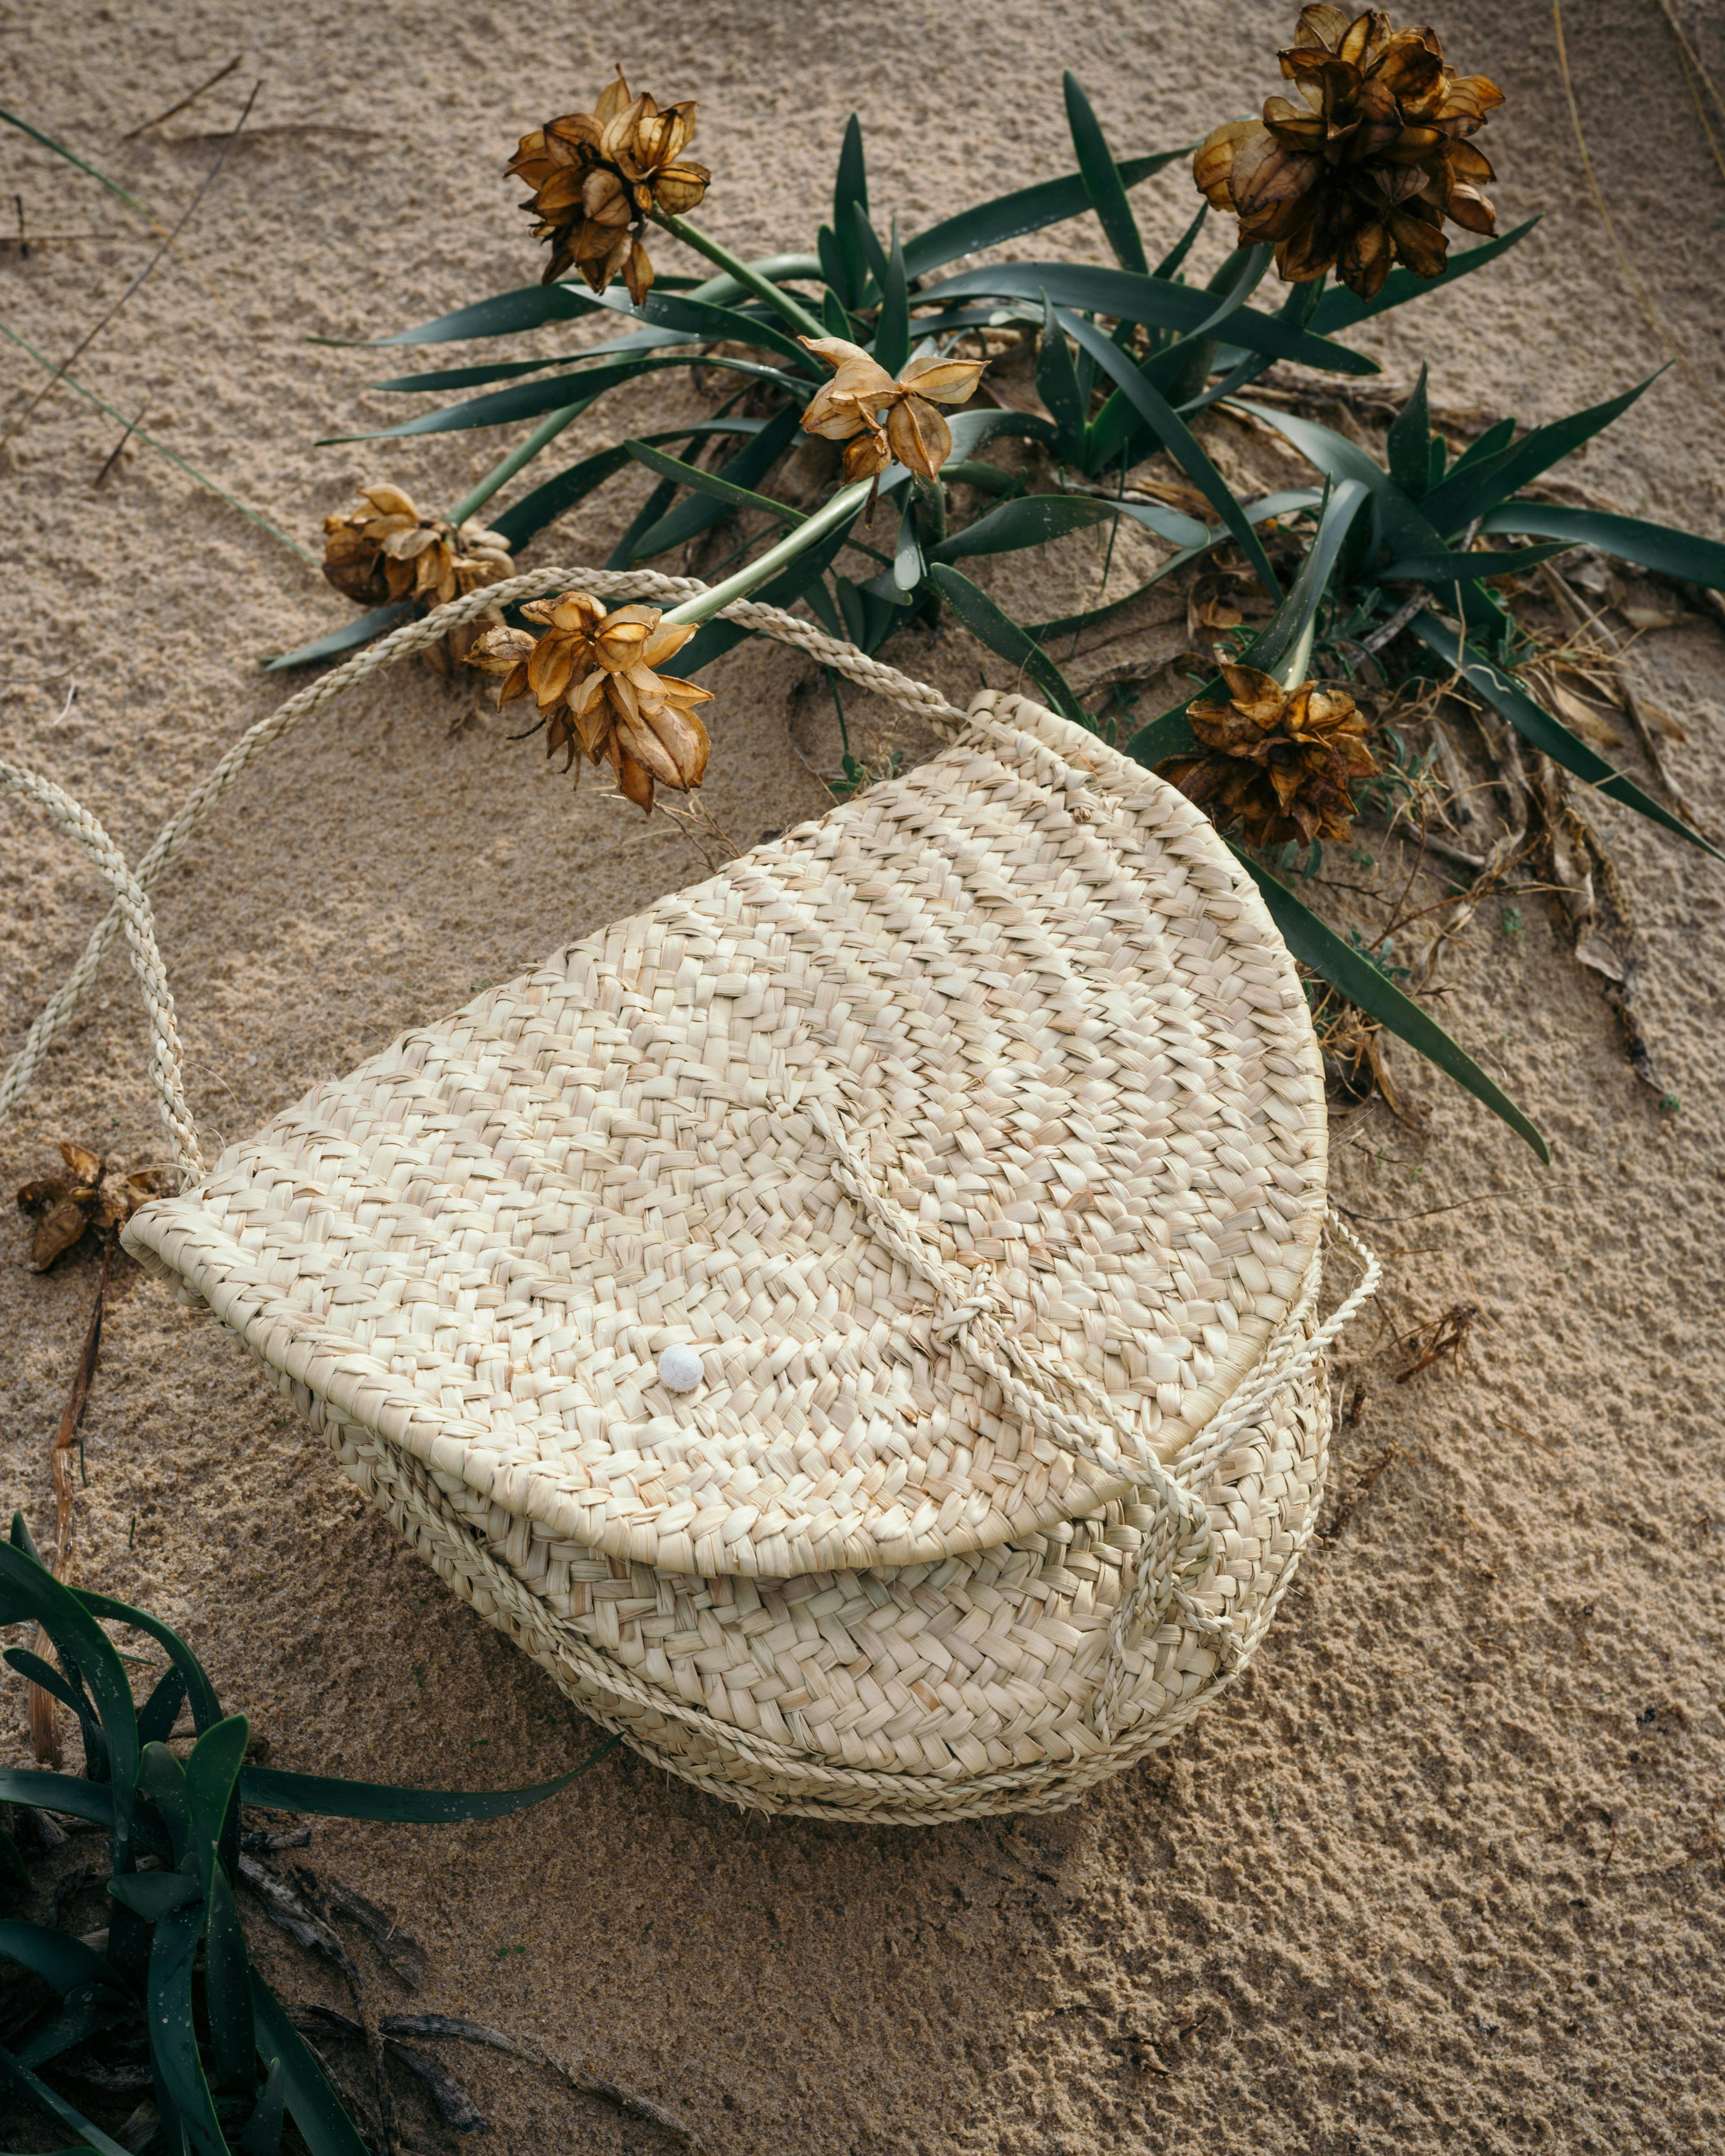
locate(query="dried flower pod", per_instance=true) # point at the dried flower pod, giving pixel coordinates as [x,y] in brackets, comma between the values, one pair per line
[1280,763]
[85,1196]
[597,177]
[879,418]
[384,548]
[1363,170]
[594,677]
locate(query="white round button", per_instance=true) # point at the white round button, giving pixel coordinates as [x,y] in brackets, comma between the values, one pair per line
[680,1368]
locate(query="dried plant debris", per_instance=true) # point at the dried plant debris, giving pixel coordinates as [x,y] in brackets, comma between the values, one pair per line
[1442,1337]
[1363,172]
[597,177]
[594,677]
[90,1197]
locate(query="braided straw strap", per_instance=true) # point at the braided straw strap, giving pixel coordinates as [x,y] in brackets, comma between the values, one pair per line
[922,701]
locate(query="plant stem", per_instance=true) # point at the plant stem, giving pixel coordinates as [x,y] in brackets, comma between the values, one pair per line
[500,474]
[844,504]
[782,303]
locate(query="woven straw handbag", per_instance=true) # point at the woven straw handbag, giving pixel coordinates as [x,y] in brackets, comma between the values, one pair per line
[854,1325]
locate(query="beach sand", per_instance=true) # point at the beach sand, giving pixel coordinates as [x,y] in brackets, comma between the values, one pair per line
[1444,1870]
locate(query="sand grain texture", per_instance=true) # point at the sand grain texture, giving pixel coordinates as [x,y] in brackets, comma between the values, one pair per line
[1445,1872]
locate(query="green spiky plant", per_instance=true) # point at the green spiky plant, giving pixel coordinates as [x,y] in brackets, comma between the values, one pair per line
[1126,357]
[1410,548]
[232,2075]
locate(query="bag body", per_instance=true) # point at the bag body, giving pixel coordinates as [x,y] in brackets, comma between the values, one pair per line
[972,1140]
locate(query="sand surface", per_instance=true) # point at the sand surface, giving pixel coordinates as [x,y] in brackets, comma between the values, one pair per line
[1445,1870]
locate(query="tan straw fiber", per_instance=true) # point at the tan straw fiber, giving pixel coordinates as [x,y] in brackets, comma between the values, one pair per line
[971,1138]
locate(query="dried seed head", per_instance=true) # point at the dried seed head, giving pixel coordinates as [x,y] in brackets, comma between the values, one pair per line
[384,549]
[1363,169]
[879,418]
[1280,764]
[85,1196]
[594,677]
[597,177]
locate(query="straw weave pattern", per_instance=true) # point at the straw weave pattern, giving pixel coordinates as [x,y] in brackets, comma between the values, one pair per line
[973,1135]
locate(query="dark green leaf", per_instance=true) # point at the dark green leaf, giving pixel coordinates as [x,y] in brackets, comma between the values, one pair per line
[1366,984]
[534,398]
[1033,520]
[1548,735]
[29,1589]
[1004,637]
[1153,301]
[153,1894]
[850,195]
[1182,371]
[161,1710]
[206,1709]
[44,1674]
[439,380]
[711,485]
[211,1773]
[987,479]
[1465,496]
[1170,734]
[1340,308]
[688,520]
[64,1963]
[16,1884]
[228,1985]
[326,1797]
[69,1793]
[974,430]
[91,2138]
[173,2033]
[1179,441]
[1663,548]
[317,2109]
[506,314]
[1401,526]
[1101,179]
[363,629]
[1491,443]
[1272,506]
[1030,209]
[162,1780]
[1447,568]
[525,519]
[1409,445]
[1171,263]
[714,325]
[645,518]
[1057,385]
[868,242]
[834,319]
[89,2012]
[891,347]
[263,2130]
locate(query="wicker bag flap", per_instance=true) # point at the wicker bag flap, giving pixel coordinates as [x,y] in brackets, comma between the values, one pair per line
[1019,1011]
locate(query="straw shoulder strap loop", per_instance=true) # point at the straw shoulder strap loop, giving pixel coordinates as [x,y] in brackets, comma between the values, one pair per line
[414,636]
[132,911]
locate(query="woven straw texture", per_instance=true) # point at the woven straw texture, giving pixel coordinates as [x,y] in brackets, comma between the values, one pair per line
[973,1137]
